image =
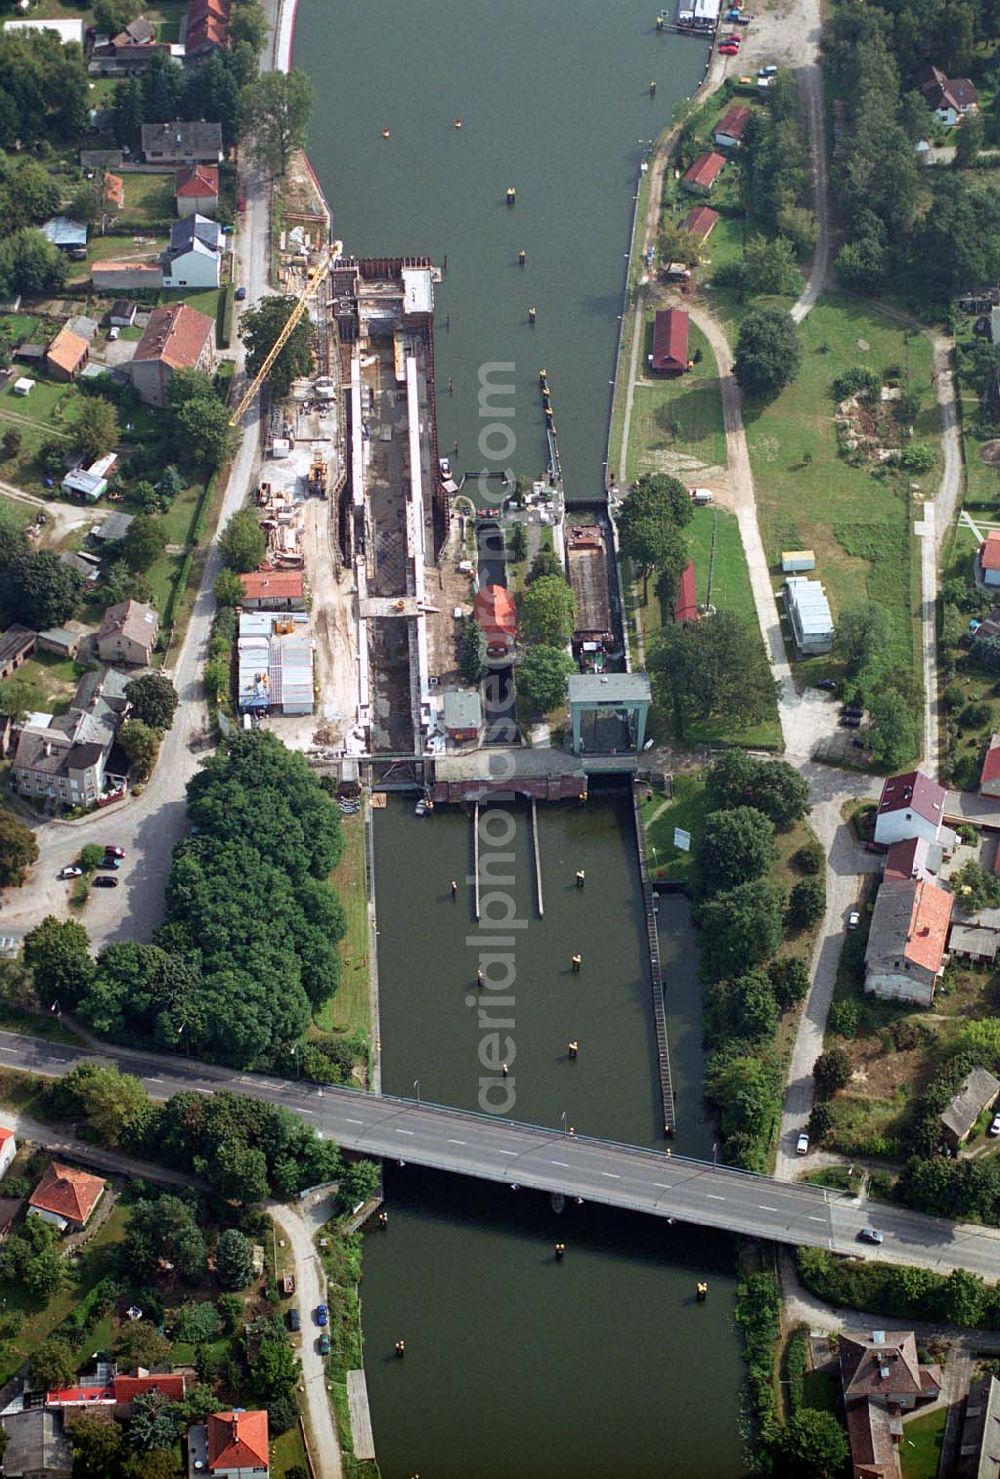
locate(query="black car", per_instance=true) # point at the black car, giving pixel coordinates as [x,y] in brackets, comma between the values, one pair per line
[294,1319]
[855,710]
[851,721]
[829,685]
[104,880]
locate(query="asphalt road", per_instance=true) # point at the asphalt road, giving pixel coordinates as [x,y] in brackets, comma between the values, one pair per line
[526,1156]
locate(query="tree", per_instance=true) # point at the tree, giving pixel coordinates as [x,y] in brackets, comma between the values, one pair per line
[164,1229]
[127,111]
[30,265]
[45,1274]
[275,111]
[249,24]
[807,902]
[542,677]
[11,444]
[969,139]
[39,590]
[112,16]
[741,927]
[144,542]
[811,1445]
[789,976]
[96,427]
[157,1463]
[51,458]
[203,430]
[154,700]
[518,542]
[116,1105]
[233,1259]
[472,652]
[895,730]
[141,745]
[736,846]
[153,1423]
[768,266]
[649,524]
[715,666]
[742,1008]
[831,1071]
[228,588]
[139,1343]
[862,637]
[975,887]
[18,849]
[98,1443]
[34,193]
[90,856]
[547,611]
[546,562]
[768,353]
[58,953]
[274,1370]
[242,544]
[361,1181]
[52,1364]
[259,331]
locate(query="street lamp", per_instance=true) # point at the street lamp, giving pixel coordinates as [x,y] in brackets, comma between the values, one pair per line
[416,1085]
[563,1118]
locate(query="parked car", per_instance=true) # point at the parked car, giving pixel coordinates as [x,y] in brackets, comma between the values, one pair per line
[110,863]
[802,1144]
[994,1128]
[113,852]
[103,881]
[829,685]
[322,1314]
[240,294]
[294,1319]
[856,710]
[853,919]
[9,945]
[324,1345]
[869,1235]
[850,721]
[768,71]
[72,871]
[728,49]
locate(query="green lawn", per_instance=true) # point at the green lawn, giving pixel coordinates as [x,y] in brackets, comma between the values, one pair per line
[49,405]
[148,197]
[53,680]
[348,1011]
[124,248]
[677,423]
[12,508]
[920,1451]
[206,300]
[685,809]
[22,326]
[287,1451]
[810,497]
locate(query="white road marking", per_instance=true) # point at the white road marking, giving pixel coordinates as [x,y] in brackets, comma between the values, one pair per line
[663,1185]
[817,1219]
[764,1208]
[154,1080]
[713,1198]
[199,1090]
[353,1122]
[564,1164]
[405,1132]
[303,1110]
[456,1142]
[507,1152]
[611,1175]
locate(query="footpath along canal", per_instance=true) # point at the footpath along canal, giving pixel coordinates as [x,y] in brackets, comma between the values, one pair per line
[516,1363]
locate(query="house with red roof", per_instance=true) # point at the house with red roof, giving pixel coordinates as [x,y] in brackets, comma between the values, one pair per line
[731,127]
[496,616]
[8,1148]
[907,941]
[989,559]
[912,805]
[196,190]
[913,858]
[989,776]
[701,222]
[670,342]
[175,338]
[882,1378]
[231,1445]
[66,1197]
[686,604]
[273,590]
[207,26]
[703,173]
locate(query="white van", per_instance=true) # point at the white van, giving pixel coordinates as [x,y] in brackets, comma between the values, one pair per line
[701,495]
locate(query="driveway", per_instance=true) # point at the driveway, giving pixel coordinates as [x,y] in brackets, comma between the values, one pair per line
[300,1226]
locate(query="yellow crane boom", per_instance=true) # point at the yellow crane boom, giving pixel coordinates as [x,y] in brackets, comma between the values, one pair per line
[304,298]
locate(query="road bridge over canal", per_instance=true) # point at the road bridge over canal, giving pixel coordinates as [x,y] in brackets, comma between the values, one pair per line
[530,1157]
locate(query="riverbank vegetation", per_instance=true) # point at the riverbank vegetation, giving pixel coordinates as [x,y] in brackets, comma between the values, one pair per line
[900,1291]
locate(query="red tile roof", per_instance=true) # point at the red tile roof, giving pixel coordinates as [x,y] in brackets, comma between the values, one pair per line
[913,792]
[288,584]
[67,1193]
[171,1383]
[197,180]
[670,340]
[494,610]
[686,604]
[991,765]
[207,24]
[705,170]
[701,222]
[989,551]
[5,1134]
[928,932]
[237,1440]
[733,122]
[906,859]
[78,1396]
[67,350]
[883,1364]
[176,335]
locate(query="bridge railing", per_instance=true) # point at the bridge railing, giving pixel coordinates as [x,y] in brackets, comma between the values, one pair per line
[656,973]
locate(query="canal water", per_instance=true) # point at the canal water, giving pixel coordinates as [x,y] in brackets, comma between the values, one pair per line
[554,99]
[516,1364]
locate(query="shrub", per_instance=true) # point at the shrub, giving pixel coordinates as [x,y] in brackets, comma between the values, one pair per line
[820,1122]
[859,380]
[790,980]
[843,1019]
[809,858]
[807,902]
[831,1071]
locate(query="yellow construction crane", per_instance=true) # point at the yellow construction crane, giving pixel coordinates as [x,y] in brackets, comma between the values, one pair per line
[308,293]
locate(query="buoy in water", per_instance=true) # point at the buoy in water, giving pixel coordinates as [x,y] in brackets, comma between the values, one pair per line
[560,1250]
[532,314]
[577,963]
[383,1219]
[581,878]
[386,134]
[511,195]
[400,1347]
[458,123]
[454,888]
[702,1292]
[504,1069]
[652,89]
[543,375]
[522,257]
[659,23]
[573,1049]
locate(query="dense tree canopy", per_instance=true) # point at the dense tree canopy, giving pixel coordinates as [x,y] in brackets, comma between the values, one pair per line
[275,112]
[772,786]
[547,612]
[741,927]
[154,700]
[259,330]
[650,522]
[768,353]
[542,677]
[18,849]
[702,669]
[242,543]
[736,846]
[38,590]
